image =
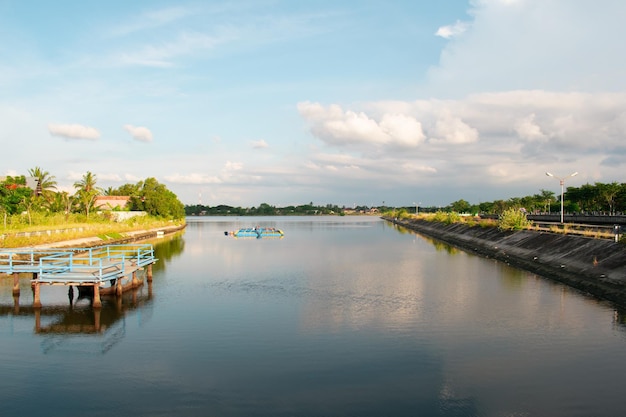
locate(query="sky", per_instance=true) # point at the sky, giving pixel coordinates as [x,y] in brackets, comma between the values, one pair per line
[284,102]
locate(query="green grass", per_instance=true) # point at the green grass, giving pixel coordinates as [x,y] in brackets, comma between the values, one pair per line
[58,228]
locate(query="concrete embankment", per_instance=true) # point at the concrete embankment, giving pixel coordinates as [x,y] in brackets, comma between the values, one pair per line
[134,236]
[594,266]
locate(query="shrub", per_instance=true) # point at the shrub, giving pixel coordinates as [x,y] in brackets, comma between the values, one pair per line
[447,218]
[513,219]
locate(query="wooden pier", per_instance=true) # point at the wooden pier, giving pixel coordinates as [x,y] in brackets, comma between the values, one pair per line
[93,268]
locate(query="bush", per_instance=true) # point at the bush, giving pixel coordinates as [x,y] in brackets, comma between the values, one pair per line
[447,218]
[513,219]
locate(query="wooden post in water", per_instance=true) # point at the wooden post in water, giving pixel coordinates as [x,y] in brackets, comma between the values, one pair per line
[36,297]
[96,319]
[135,280]
[149,273]
[118,287]
[16,284]
[37,320]
[97,302]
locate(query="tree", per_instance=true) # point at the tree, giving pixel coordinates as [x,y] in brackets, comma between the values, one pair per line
[546,198]
[87,182]
[460,206]
[87,191]
[13,194]
[155,199]
[46,182]
[607,193]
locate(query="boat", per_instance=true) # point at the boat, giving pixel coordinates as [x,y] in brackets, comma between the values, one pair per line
[257,232]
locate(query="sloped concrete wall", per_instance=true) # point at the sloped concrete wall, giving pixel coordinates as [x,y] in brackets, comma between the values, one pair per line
[594,266]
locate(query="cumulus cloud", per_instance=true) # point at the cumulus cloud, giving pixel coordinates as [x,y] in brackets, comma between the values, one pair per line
[142,134]
[338,127]
[73,131]
[453,130]
[526,128]
[487,135]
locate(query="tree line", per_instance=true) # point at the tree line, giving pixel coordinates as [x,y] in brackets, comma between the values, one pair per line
[597,198]
[16,196]
[604,198]
[264,209]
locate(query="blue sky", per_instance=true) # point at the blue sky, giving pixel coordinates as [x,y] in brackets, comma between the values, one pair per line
[290,102]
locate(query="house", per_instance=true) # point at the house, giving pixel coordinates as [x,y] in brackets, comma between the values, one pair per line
[111,202]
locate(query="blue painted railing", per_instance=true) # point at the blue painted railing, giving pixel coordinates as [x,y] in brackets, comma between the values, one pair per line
[92,265]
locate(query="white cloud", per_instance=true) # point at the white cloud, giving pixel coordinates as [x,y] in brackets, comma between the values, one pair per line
[453,130]
[500,137]
[73,131]
[526,128]
[402,129]
[341,128]
[450,31]
[533,44]
[142,134]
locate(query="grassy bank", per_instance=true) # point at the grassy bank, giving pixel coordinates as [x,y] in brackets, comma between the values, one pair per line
[21,232]
[509,220]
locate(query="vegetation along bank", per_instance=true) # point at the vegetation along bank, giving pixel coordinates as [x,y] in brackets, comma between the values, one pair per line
[594,266]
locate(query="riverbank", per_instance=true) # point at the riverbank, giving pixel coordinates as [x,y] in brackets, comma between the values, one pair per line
[594,266]
[93,241]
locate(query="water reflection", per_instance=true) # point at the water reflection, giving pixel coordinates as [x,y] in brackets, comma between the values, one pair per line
[63,326]
[341,317]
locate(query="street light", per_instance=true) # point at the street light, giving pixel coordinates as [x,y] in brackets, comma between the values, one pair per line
[562,181]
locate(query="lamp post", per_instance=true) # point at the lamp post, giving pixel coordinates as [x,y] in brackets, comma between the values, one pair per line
[562,182]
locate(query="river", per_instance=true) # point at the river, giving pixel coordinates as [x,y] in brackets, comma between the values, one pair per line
[343,316]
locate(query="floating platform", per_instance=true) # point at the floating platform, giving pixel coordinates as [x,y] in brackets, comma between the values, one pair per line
[256,232]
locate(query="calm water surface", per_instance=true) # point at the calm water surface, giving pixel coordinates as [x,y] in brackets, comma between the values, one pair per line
[345,316]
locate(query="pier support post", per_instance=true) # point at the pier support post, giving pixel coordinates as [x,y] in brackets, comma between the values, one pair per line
[118,287]
[149,273]
[36,297]
[97,302]
[16,304]
[96,320]
[37,320]
[16,284]
[135,280]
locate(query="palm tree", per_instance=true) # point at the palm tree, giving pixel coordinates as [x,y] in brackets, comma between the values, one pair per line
[87,183]
[46,182]
[87,191]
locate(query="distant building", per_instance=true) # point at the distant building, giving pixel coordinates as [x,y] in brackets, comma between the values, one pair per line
[111,202]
